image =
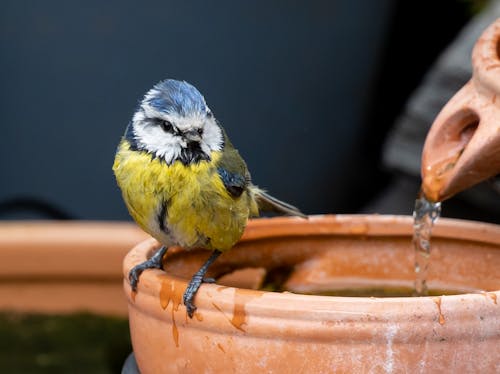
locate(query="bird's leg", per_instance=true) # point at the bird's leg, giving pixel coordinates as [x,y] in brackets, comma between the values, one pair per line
[196,281]
[154,262]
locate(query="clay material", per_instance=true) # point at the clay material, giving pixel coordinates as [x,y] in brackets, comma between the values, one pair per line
[463,144]
[64,267]
[237,330]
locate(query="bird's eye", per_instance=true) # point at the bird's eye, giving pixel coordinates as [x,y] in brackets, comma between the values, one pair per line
[166,126]
[199,131]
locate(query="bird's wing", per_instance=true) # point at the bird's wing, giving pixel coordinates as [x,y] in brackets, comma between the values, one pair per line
[233,170]
[236,178]
[235,183]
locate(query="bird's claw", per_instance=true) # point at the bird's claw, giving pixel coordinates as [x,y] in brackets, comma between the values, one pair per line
[195,283]
[190,293]
[133,277]
[190,308]
[155,262]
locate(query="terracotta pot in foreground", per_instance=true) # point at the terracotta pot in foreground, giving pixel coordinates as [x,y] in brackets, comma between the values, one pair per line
[251,331]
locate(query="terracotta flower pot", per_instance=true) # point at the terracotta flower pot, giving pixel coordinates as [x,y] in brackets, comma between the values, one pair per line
[64,267]
[463,144]
[251,331]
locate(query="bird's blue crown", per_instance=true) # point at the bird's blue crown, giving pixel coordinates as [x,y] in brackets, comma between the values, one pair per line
[173,96]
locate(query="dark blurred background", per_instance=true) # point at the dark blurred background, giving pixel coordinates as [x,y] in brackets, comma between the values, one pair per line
[306,90]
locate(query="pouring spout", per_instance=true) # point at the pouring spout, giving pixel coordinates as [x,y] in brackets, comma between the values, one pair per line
[463,145]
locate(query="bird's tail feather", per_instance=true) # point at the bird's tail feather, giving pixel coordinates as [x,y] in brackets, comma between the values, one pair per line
[269,203]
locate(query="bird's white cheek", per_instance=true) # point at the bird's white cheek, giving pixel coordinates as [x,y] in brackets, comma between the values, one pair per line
[205,148]
[212,138]
[159,143]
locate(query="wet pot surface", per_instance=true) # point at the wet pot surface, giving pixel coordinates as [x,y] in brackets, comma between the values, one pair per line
[296,330]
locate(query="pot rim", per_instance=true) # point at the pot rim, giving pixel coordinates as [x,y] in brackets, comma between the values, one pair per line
[368,224]
[306,308]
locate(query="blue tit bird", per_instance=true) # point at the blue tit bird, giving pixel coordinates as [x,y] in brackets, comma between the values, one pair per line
[182,180]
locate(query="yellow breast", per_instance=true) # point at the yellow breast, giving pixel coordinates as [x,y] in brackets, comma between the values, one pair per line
[179,204]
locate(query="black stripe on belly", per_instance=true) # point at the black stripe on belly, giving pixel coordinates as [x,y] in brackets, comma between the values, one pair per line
[162,215]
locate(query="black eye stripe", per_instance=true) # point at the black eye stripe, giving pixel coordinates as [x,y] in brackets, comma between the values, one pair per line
[166,126]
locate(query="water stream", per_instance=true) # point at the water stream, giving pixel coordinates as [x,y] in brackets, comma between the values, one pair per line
[425,215]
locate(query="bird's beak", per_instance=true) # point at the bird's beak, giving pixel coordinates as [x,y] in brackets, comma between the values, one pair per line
[192,136]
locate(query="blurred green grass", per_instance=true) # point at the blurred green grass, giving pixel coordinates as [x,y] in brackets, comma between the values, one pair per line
[76,343]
